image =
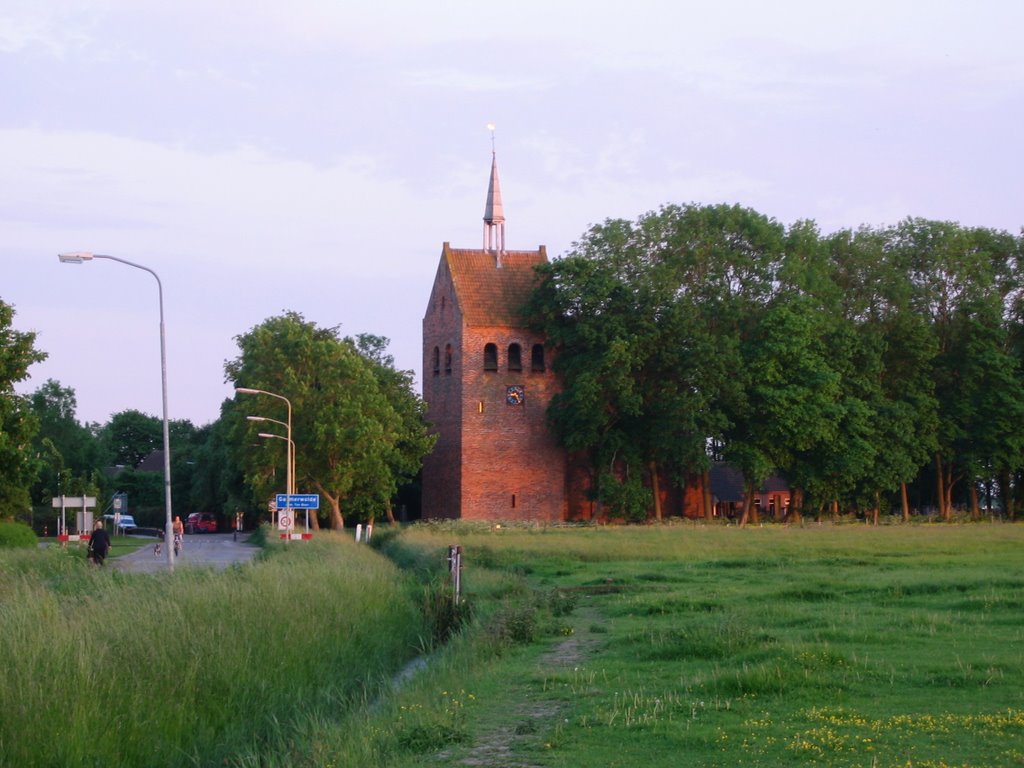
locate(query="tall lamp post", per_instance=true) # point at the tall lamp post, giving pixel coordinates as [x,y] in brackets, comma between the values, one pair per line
[289,469]
[80,257]
[290,472]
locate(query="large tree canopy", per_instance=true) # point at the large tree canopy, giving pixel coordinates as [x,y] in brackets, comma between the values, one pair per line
[18,424]
[356,424]
[853,363]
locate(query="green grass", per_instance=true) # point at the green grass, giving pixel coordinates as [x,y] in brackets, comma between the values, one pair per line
[643,646]
[195,667]
[849,646]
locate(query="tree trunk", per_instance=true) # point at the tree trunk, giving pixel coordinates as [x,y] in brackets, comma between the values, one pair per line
[652,467]
[975,511]
[748,505]
[905,502]
[337,522]
[1006,494]
[940,486]
[709,507]
[950,482]
[796,505]
[876,509]
[391,514]
[835,510]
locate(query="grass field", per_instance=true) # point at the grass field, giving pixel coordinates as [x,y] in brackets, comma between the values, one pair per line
[634,647]
[838,646]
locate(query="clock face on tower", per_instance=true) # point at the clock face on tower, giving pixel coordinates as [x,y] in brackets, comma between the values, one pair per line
[515,395]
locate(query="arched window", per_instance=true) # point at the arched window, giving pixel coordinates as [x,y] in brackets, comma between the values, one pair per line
[537,358]
[448,358]
[490,357]
[437,361]
[515,360]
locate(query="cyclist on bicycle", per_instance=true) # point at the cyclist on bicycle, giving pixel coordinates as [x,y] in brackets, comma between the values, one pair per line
[178,529]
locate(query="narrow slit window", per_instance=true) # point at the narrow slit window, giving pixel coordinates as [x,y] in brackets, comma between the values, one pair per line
[448,358]
[437,361]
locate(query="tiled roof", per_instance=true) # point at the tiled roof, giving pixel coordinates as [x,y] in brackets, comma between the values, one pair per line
[727,482]
[488,294]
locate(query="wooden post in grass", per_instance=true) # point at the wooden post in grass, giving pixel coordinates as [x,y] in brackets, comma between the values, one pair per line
[455,572]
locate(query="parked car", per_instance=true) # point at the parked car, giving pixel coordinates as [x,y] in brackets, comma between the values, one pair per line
[121,522]
[201,522]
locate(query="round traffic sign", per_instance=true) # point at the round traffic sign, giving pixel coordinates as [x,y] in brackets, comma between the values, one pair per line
[284,522]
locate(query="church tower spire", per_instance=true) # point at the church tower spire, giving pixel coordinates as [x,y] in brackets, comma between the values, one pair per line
[494,212]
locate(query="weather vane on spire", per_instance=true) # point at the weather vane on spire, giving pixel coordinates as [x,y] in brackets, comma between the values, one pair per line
[491,127]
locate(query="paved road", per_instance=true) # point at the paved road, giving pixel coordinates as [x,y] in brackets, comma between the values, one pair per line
[206,550]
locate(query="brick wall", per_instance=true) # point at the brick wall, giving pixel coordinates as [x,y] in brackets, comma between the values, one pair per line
[512,467]
[442,392]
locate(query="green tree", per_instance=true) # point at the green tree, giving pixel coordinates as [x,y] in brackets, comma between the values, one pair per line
[70,452]
[349,436]
[412,439]
[961,280]
[18,424]
[130,436]
[645,319]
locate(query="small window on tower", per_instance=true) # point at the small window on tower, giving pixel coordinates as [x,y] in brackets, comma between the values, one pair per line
[448,358]
[437,361]
[515,359]
[537,358]
[490,357]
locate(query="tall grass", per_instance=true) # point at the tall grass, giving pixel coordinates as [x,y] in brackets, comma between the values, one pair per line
[195,667]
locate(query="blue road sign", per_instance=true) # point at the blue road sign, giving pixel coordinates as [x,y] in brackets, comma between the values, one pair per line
[298,501]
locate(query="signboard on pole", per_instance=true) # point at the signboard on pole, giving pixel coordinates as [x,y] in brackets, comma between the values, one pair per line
[298,501]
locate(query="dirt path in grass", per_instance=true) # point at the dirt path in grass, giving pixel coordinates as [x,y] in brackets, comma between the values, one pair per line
[498,748]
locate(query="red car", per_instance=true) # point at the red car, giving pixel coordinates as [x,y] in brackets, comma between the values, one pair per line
[201,522]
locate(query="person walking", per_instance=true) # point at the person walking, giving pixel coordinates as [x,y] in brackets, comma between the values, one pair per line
[99,543]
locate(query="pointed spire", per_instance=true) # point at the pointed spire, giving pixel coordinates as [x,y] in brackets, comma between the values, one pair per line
[494,212]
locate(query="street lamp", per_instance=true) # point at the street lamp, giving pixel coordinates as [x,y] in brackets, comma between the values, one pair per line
[80,257]
[290,468]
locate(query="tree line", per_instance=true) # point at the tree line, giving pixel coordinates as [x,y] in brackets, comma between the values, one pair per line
[858,364]
[876,369]
[358,430]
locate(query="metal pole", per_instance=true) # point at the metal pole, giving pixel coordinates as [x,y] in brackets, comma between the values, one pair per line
[169,523]
[290,456]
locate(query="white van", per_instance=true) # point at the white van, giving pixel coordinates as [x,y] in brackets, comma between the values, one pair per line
[124,522]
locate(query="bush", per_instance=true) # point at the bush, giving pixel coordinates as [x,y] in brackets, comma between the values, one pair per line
[17,535]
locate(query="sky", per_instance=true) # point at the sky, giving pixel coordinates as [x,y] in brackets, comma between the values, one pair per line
[313,156]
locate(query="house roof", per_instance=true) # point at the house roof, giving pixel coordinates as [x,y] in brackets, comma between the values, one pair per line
[489,294]
[154,462]
[727,482]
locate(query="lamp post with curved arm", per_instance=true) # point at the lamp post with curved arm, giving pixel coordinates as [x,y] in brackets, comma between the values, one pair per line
[80,257]
[291,447]
[290,480]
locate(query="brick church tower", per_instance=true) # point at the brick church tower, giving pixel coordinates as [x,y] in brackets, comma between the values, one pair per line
[487,384]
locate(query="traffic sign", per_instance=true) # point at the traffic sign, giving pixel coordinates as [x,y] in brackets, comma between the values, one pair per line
[284,523]
[298,501]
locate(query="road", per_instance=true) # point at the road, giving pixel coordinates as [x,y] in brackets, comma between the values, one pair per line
[205,550]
